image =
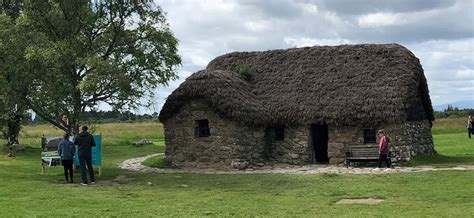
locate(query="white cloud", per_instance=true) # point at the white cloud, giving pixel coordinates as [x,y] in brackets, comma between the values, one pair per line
[440,33]
[385,19]
[257,25]
[467,74]
[448,66]
[309,8]
[302,42]
[381,19]
[196,57]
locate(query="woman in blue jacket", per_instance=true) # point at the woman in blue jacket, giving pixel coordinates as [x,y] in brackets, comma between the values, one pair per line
[66,151]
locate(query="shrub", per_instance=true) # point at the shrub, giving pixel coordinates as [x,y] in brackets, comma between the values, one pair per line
[244,71]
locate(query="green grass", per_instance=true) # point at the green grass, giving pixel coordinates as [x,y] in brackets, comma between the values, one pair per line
[25,192]
[156,161]
[449,126]
[451,143]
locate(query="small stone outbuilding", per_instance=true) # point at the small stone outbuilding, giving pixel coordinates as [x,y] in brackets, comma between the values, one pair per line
[298,106]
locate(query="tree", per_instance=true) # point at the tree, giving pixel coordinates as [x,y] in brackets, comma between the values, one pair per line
[11,8]
[81,53]
[13,87]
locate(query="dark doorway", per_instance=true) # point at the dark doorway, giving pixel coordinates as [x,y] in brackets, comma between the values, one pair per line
[319,138]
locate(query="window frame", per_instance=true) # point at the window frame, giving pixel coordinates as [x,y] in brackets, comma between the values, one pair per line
[370,135]
[202,128]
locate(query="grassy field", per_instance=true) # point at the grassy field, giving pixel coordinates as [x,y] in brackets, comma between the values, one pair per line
[452,145]
[25,192]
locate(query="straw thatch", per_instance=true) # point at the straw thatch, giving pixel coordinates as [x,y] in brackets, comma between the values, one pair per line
[342,85]
[229,94]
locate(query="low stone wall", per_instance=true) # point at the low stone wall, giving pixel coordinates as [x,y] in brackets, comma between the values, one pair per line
[229,145]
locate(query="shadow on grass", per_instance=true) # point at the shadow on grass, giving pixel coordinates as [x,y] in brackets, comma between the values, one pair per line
[442,160]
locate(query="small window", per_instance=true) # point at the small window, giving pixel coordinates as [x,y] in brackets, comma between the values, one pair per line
[202,128]
[370,136]
[279,133]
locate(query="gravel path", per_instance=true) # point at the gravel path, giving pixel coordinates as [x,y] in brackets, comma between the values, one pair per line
[135,164]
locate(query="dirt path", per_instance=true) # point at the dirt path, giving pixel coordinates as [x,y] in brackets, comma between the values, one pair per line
[135,164]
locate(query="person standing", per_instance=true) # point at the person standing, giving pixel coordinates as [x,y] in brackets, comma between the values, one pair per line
[66,151]
[470,126]
[384,149]
[85,142]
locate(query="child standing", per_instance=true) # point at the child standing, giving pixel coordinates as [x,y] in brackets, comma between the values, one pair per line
[66,151]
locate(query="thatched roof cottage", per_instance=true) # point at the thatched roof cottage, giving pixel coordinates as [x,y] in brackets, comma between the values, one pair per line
[298,106]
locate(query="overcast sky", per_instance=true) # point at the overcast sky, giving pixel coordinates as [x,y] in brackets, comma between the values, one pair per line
[439,32]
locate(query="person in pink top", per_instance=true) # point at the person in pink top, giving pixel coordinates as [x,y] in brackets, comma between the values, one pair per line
[384,149]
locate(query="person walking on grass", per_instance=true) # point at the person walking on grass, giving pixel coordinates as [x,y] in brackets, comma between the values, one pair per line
[66,151]
[85,142]
[470,126]
[384,149]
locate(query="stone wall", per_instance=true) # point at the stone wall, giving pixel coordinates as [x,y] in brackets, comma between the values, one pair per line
[410,139]
[229,145]
[294,149]
[234,145]
[407,140]
[339,138]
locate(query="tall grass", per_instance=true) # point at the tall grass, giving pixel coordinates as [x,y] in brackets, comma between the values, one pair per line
[448,126]
[112,133]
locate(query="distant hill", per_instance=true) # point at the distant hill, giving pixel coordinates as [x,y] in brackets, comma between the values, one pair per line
[457,104]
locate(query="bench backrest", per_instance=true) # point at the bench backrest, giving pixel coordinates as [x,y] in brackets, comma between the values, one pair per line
[367,150]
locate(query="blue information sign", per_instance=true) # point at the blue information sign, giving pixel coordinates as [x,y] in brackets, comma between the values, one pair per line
[96,152]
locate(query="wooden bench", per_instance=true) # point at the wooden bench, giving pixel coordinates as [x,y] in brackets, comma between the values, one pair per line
[361,153]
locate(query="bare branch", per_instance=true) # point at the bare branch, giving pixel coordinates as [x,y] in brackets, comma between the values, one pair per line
[44,116]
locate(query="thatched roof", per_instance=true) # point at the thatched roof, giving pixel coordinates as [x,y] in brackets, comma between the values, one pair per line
[226,91]
[342,85]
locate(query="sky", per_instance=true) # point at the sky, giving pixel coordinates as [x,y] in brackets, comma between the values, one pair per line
[439,32]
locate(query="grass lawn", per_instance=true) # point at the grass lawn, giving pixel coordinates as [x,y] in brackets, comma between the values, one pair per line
[25,192]
[452,145]
[156,161]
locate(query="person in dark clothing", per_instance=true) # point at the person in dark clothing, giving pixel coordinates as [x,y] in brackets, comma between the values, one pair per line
[85,142]
[384,149]
[66,151]
[470,126]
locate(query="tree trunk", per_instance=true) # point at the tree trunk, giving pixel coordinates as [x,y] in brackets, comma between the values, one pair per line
[13,130]
[74,127]
[77,111]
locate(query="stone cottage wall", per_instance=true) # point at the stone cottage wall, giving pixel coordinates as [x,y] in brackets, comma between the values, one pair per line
[410,139]
[407,140]
[339,138]
[229,145]
[294,149]
[235,145]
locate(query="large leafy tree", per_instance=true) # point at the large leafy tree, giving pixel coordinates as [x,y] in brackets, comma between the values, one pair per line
[80,53]
[13,85]
[11,8]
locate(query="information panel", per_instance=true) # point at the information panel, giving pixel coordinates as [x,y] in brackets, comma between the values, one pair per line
[96,152]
